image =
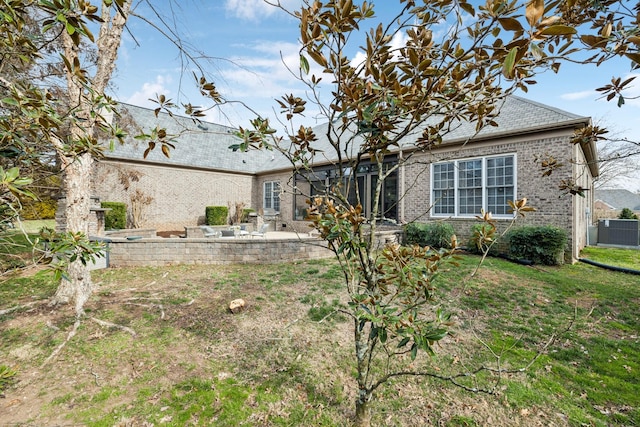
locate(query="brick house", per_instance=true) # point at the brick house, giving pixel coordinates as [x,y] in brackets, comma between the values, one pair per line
[453,182]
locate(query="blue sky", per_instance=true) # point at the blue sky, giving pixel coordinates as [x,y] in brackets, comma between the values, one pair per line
[248,41]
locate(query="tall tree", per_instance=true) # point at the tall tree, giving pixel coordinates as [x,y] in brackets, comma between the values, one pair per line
[86,101]
[433,66]
[66,122]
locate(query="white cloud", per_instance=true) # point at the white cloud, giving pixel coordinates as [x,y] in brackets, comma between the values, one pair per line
[574,96]
[256,10]
[398,41]
[632,93]
[150,90]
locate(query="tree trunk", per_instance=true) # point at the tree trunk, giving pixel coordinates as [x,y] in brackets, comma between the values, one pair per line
[77,287]
[363,412]
[363,349]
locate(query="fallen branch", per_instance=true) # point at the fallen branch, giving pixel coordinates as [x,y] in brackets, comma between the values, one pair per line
[18,307]
[70,335]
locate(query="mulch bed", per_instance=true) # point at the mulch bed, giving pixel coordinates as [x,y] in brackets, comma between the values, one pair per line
[170,233]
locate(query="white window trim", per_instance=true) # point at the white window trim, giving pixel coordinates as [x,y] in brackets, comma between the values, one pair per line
[264,195]
[484,186]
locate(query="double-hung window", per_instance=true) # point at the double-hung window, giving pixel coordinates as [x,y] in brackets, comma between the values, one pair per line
[465,187]
[272,195]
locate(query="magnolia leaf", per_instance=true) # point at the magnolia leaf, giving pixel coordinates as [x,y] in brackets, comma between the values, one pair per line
[536,51]
[558,30]
[511,24]
[12,174]
[534,11]
[509,63]
[593,41]
[404,342]
[304,64]
[468,8]
[634,56]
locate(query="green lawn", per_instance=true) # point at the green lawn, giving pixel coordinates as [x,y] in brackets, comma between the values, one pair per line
[287,360]
[612,256]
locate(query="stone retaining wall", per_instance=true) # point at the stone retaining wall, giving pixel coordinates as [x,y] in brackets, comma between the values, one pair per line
[160,251]
[172,251]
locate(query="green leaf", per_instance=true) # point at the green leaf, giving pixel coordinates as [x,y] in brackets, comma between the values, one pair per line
[9,101]
[382,335]
[404,342]
[304,64]
[509,63]
[12,174]
[414,351]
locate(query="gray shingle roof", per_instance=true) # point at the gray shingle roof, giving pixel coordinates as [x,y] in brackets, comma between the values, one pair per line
[197,145]
[519,115]
[619,199]
[206,146]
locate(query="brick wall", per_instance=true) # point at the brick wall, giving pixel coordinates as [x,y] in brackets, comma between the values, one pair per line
[179,195]
[553,206]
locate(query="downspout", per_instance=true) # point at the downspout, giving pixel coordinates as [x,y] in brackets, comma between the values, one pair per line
[401,189]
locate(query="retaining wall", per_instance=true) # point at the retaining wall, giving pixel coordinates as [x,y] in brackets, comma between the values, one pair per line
[159,251]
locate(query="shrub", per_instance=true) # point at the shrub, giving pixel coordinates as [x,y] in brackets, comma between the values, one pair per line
[39,209]
[216,215]
[116,218]
[627,214]
[245,214]
[541,245]
[435,234]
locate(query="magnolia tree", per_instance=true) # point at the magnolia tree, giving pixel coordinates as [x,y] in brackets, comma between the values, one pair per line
[431,67]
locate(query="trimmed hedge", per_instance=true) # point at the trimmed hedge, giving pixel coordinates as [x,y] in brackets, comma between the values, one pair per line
[541,245]
[216,215]
[434,234]
[116,218]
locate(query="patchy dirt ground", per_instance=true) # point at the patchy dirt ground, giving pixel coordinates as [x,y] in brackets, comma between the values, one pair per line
[148,332]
